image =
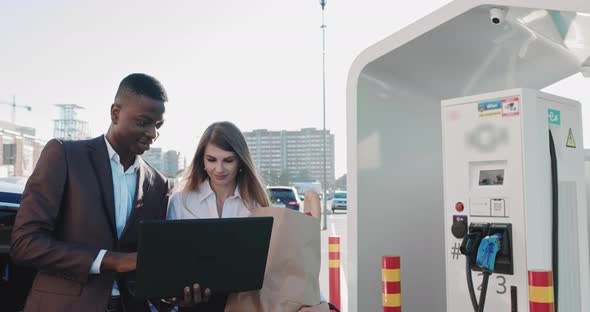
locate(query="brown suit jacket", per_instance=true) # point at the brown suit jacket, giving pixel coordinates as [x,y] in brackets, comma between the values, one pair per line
[67,215]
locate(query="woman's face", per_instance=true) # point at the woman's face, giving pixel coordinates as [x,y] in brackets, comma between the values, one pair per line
[221,166]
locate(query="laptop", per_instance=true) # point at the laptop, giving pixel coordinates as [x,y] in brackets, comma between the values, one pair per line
[225,255]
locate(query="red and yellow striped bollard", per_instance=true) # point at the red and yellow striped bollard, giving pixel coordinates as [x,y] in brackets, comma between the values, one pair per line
[391,281]
[334,256]
[541,291]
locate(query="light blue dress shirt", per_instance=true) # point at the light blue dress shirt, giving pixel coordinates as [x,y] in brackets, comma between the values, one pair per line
[124,185]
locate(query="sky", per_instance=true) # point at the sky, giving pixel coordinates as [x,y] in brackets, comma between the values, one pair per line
[255,63]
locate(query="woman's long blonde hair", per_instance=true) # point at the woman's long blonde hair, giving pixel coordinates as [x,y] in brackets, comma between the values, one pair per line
[229,138]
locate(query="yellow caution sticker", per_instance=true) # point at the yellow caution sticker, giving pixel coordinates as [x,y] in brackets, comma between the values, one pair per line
[570,140]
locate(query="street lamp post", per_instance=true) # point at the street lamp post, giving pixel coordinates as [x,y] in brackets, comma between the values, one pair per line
[323,4]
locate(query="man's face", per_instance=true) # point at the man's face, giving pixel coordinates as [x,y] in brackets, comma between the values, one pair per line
[136,120]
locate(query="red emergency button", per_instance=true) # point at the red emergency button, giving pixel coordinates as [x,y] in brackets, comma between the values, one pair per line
[459,206]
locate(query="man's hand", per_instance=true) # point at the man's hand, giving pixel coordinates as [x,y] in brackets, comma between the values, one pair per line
[322,307]
[189,301]
[119,261]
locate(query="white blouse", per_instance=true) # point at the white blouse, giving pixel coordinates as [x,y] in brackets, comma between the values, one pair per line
[202,204]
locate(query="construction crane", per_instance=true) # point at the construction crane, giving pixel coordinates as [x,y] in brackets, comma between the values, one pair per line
[14,106]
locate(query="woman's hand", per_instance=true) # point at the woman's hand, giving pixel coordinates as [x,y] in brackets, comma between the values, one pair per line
[322,307]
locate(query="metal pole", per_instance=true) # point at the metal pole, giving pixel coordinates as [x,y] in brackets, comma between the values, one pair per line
[323,4]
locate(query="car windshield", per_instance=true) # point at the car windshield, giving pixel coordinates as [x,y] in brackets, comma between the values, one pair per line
[340,195]
[282,194]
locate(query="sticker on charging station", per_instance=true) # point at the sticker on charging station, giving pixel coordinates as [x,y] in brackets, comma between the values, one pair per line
[488,207]
[510,107]
[490,108]
[498,207]
[554,117]
[480,207]
[570,140]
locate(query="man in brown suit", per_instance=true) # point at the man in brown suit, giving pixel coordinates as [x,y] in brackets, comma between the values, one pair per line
[77,223]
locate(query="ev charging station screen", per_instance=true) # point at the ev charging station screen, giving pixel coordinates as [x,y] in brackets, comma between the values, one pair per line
[491,177]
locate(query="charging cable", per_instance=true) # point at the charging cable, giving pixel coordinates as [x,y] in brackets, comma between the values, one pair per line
[469,248]
[485,258]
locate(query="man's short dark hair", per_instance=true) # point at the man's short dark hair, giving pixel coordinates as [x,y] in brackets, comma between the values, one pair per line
[142,84]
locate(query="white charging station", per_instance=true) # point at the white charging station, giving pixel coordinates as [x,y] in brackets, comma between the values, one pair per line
[395,145]
[500,171]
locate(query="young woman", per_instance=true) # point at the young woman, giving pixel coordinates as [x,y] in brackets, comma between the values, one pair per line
[221,182]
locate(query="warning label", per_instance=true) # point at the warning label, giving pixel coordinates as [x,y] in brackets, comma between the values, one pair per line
[570,140]
[510,107]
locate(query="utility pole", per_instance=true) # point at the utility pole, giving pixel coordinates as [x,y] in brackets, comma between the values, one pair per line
[14,106]
[323,4]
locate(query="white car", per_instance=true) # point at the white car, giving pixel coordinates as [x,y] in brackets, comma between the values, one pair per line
[339,201]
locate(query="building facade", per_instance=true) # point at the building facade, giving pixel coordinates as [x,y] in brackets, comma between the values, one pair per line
[167,162]
[20,150]
[171,162]
[153,156]
[284,156]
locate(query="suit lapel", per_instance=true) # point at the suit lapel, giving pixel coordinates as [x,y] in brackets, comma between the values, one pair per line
[141,188]
[99,158]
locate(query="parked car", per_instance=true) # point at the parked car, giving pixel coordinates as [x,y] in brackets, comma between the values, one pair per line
[284,196]
[15,281]
[339,201]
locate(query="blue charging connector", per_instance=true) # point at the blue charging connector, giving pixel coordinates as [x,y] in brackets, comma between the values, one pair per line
[487,252]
